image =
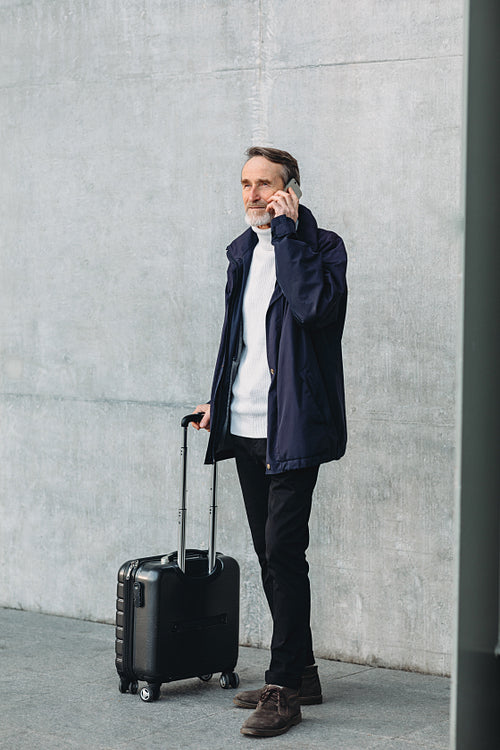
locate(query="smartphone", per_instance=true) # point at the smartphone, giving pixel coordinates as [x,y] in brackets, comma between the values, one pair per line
[295,187]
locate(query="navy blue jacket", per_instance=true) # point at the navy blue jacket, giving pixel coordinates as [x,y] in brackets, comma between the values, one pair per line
[306,423]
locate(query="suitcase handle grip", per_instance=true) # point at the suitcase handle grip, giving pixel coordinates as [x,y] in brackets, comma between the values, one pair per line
[186,421]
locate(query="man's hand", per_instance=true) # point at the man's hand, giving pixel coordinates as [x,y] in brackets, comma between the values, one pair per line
[205,422]
[284,204]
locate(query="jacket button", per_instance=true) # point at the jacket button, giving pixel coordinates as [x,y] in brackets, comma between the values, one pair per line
[268,466]
[272,371]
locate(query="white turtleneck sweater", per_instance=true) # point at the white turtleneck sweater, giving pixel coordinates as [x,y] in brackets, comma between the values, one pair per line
[251,386]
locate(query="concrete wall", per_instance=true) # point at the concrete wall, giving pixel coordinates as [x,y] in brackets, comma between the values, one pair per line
[124,125]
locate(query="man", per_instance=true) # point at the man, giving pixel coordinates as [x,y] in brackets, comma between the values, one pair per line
[277,406]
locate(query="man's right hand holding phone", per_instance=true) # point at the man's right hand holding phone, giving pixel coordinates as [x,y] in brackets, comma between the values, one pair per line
[286,202]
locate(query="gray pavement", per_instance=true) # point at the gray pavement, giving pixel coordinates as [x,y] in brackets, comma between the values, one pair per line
[59,690]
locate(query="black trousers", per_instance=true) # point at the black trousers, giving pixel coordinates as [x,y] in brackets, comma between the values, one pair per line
[278,507]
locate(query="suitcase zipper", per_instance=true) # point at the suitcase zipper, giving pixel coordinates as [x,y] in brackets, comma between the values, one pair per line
[129,609]
[134,564]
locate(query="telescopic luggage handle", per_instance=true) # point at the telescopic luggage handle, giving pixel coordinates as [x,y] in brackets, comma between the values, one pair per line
[181,552]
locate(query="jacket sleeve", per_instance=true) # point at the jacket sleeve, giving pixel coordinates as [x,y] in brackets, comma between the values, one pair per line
[313,279]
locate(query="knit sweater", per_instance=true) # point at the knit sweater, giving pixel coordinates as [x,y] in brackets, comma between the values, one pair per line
[251,386]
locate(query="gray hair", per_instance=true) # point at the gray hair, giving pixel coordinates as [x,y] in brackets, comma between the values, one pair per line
[290,168]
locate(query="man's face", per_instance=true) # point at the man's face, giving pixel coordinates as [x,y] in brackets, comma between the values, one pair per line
[260,179]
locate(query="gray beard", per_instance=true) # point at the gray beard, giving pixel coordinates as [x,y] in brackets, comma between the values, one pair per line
[257,221]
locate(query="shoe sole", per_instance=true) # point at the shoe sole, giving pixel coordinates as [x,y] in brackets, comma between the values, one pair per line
[310,700]
[250,732]
[243,704]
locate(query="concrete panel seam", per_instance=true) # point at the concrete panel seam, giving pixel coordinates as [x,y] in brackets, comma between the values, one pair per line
[395,420]
[348,63]
[76,399]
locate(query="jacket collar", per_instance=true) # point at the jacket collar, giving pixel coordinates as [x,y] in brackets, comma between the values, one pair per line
[243,246]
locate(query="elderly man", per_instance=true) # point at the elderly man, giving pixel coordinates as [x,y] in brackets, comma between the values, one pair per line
[277,406]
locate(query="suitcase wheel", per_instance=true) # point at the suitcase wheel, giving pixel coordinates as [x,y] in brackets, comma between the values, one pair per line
[229,680]
[150,693]
[206,677]
[125,686]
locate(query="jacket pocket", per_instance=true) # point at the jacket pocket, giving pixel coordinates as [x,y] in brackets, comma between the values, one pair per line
[317,390]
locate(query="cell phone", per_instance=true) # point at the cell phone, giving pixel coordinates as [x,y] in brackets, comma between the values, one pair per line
[295,187]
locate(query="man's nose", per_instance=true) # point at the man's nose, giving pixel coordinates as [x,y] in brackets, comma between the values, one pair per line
[254,194]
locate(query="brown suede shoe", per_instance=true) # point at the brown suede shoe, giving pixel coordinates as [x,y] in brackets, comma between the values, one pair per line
[310,687]
[277,711]
[309,691]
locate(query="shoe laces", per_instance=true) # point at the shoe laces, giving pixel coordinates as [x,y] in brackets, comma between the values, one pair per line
[271,695]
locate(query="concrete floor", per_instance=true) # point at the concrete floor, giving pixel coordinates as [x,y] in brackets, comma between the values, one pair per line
[59,691]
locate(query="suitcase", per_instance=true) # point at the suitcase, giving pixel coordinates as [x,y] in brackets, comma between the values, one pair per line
[177,615]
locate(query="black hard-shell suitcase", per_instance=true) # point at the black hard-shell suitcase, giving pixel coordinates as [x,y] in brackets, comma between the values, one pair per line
[177,615]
